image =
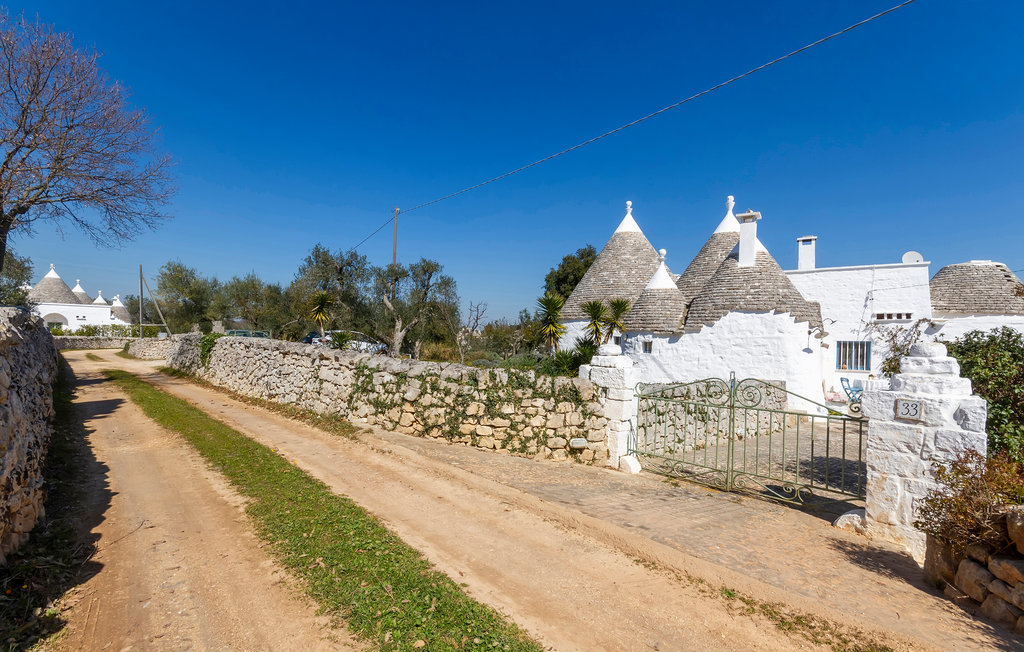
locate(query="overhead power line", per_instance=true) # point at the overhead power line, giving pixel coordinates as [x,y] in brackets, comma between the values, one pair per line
[638,120]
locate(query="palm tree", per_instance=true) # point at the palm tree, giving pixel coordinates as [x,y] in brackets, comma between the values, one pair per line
[597,312]
[551,329]
[320,308]
[617,312]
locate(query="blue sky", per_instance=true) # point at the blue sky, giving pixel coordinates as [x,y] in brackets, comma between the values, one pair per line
[309,122]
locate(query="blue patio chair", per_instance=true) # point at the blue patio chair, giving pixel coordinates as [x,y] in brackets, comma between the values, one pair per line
[852,393]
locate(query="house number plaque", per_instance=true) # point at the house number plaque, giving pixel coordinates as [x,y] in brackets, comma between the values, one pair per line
[909,410]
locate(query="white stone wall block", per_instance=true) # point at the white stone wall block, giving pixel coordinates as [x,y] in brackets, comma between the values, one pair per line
[897,438]
[935,366]
[887,462]
[931,384]
[877,404]
[610,377]
[886,493]
[928,350]
[950,442]
[972,414]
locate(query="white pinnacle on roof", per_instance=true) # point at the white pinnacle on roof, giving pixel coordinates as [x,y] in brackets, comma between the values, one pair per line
[628,224]
[729,223]
[661,280]
[99,298]
[78,286]
[52,273]
[117,301]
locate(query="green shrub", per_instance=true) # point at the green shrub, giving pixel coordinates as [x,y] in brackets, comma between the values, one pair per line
[340,339]
[994,362]
[970,503]
[206,345]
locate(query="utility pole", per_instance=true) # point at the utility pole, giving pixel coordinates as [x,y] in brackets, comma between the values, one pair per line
[140,301]
[394,246]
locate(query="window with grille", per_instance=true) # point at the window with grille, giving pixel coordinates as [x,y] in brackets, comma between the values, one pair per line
[890,316]
[648,347]
[853,356]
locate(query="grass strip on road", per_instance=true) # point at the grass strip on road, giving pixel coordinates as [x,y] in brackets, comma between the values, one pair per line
[349,563]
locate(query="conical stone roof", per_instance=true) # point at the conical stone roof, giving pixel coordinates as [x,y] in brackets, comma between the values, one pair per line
[78,291]
[711,255]
[51,289]
[118,310]
[660,307]
[620,271]
[979,287]
[762,287]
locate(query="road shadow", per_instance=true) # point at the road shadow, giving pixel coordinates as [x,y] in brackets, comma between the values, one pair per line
[901,566]
[888,563]
[59,553]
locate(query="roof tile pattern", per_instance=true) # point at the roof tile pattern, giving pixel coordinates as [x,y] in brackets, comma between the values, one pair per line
[658,310]
[976,288]
[620,271]
[121,313]
[706,263]
[762,287]
[51,289]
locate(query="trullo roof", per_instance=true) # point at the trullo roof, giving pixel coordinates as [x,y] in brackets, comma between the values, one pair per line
[51,289]
[620,271]
[762,287]
[980,287]
[660,307]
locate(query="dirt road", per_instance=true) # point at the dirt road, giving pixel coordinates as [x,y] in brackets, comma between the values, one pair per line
[565,588]
[177,566]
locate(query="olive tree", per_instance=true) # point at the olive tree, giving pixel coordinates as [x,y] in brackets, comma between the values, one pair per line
[72,151]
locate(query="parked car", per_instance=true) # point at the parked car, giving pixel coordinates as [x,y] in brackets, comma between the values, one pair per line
[245,333]
[357,342]
[309,338]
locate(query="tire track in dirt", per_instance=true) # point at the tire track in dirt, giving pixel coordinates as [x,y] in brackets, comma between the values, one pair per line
[567,589]
[178,566]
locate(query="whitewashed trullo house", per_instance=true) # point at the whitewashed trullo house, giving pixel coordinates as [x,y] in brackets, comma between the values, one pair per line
[734,309]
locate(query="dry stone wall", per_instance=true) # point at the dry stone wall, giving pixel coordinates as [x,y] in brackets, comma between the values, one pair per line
[510,411]
[28,368]
[150,348]
[65,342]
[989,579]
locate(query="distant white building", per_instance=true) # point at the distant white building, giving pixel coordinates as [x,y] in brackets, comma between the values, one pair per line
[62,306]
[735,310]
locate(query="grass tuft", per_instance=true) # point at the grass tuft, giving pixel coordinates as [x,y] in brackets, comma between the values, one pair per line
[348,562]
[93,357]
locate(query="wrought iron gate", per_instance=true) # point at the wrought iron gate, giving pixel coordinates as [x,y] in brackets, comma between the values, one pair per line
[745,436]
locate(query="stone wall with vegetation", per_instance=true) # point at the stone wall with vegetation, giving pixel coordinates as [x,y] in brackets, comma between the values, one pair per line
[150,348]
[65,342]
[510,411]
[989,577]
[28,369]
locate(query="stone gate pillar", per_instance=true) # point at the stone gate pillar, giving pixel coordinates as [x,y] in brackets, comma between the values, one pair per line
[614,374]
[928,416]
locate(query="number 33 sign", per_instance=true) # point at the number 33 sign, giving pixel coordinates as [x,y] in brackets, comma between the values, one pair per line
[909,410]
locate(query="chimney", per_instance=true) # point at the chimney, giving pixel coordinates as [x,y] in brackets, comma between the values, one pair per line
[748,237]
[805,252]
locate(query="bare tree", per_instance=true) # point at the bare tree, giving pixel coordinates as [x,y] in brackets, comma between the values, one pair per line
[462,333]
[71,149]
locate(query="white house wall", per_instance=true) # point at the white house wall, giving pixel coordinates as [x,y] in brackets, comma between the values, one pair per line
[954,327]
[767,346]
[79,314]
[851,297]
[573,330]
